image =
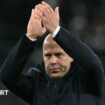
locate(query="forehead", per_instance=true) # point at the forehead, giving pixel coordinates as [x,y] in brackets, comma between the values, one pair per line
[52,46]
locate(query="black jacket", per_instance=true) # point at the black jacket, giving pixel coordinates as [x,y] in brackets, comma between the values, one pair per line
[81,86]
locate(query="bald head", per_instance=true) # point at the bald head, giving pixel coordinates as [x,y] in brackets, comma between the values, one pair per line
[49,42]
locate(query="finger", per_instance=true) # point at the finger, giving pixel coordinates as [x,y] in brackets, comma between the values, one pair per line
[47,6]
[45,11]
[36,14]
[57,11]
[43,29]
[32,14]
[41,12]
[40,15]
[40,9]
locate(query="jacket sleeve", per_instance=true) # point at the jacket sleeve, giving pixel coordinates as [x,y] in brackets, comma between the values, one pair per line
[83,55]
[12,68]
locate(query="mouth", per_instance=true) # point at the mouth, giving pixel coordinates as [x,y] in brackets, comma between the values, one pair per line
[54,70]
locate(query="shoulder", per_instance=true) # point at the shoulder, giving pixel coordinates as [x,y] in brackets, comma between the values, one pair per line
[36,71]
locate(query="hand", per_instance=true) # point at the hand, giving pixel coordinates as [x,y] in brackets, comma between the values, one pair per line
[35,28]
[50,18]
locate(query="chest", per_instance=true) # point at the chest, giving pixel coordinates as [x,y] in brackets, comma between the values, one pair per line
[63,93]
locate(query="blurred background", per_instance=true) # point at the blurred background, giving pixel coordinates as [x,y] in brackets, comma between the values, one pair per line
[84,18]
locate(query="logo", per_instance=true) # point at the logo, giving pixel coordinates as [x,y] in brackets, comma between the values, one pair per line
[4,92]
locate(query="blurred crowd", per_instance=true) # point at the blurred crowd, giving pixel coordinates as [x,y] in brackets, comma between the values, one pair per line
[84,18]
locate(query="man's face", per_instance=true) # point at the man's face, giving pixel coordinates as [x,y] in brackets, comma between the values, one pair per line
[57,62]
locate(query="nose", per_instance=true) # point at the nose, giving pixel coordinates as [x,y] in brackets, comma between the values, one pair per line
[53,59]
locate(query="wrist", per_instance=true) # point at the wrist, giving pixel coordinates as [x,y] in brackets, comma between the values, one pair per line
[56,31]
[31,38]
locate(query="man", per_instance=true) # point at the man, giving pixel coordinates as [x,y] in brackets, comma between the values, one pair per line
[71,73]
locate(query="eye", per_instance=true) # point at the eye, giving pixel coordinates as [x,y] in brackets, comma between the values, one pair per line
[48,55]
[59,54]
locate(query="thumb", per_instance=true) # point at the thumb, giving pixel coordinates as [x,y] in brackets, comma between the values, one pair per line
[43,30]
[57,10]
[32,14]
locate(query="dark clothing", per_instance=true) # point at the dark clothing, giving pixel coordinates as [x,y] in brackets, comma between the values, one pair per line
[81,86]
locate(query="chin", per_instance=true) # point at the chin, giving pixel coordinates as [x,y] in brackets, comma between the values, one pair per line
[55,76]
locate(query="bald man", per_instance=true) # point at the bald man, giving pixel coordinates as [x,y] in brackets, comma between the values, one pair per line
[57,62]
[70,74]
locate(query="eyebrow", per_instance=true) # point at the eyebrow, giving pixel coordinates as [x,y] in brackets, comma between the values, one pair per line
[47,53]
